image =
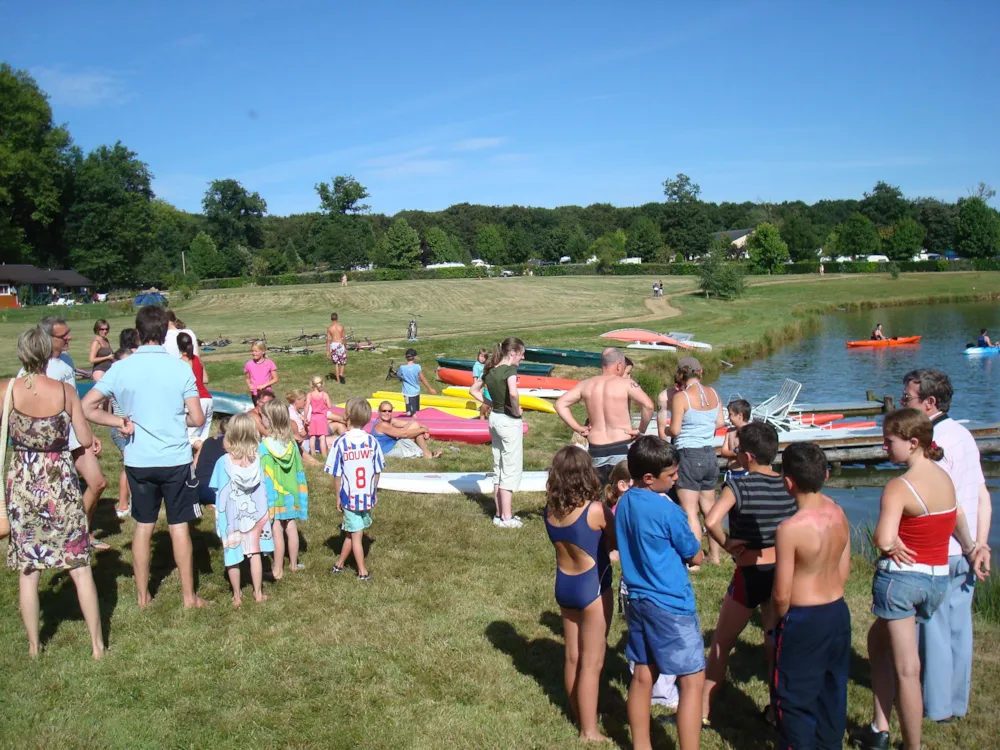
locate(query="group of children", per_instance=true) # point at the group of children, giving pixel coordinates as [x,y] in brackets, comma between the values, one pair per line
[792,551]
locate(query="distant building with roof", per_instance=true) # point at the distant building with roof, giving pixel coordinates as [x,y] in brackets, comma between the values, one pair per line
[23,284]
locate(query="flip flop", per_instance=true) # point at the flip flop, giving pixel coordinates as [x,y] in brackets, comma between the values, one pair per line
[99,546]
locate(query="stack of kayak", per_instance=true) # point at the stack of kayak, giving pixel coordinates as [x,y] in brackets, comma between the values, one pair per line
[569,357]
[525,368]
[464,377]
[879,343]
[642,338]
[445,425]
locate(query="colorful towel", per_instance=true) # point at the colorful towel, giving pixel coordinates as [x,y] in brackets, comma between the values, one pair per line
[284,480]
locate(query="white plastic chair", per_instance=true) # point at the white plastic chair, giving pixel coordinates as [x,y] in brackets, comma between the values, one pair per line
[775,409]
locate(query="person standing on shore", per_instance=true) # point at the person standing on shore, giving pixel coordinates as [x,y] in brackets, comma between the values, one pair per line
[336,347]
[945,641]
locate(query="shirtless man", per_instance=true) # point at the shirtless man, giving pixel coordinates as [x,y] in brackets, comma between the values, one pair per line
[336,347]
[607,397]
[813,551]
[401,438]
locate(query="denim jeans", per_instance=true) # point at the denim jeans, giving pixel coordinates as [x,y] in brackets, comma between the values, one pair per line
[945,643]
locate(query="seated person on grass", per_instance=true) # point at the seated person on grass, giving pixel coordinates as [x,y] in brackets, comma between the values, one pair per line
[401,438]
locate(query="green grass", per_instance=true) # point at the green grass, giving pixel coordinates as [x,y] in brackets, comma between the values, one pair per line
[456,642]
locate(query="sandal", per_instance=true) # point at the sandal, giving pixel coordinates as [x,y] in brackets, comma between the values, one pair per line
[366,577]
[337,569]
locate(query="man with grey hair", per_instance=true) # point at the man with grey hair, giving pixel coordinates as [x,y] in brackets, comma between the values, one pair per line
[60,367]
[945,641]
[608,398]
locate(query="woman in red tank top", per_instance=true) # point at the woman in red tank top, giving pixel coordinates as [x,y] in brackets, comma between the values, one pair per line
[918,516]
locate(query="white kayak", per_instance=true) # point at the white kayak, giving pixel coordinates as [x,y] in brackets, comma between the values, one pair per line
[653,347]
[455,483]
[541,392]
[688,338]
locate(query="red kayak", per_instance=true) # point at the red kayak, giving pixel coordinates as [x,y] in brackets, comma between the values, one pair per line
[464,377]
[878,343]
[643,336]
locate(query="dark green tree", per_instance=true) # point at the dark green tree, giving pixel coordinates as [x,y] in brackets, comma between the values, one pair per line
[766,249]
[905,240]
[293,261]
[884,205]
[234,217]
[609,249]
[110,224]
[203,260]
[343,196]
[801,238]
[681,189]
[402,246]
[490,246]
[342,242]
[938,218]
[440,247]
[977,232]
[644,240]
[519,247]
[858,237]
[577,247]
[720,278]
[34,172]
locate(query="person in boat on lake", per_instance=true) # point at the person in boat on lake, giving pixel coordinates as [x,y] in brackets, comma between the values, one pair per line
[877,334]
[984,339]
[607,397]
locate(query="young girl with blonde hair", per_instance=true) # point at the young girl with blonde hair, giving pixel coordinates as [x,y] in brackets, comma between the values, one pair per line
[317,425]
[242,518]
[285,484]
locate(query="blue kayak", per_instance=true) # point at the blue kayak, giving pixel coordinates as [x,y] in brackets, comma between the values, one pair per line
[981,351]
[224,403]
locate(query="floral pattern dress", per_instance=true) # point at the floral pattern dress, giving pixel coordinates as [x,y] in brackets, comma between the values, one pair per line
[48,528]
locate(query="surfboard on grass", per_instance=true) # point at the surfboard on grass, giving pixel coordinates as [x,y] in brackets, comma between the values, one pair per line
[455,483]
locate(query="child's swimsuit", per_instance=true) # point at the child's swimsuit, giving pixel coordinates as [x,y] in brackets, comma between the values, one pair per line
[580,591]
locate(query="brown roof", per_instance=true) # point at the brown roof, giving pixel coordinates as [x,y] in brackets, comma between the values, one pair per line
[22,273]
[69,278]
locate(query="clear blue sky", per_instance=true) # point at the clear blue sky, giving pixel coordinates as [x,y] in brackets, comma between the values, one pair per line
[540,103]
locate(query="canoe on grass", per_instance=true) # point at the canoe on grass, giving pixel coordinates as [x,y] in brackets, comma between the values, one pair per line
[878,344]
[653,347]
[525,368]
[447,401]
[464,377]
[455,483]
[571,357]
[530,403]
[643,336]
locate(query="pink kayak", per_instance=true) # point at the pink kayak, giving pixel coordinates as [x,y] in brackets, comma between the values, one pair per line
[643,336]
[447,427]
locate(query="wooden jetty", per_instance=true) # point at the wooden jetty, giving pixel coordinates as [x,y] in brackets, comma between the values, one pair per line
[871,406]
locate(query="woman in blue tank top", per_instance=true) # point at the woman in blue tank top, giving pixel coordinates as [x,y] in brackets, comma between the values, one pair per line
[582,530]
[695,414]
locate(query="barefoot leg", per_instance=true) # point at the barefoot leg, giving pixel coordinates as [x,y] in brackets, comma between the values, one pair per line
[28,597]
[86,592]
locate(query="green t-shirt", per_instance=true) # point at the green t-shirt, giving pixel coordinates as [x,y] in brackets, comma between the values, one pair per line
[496,381]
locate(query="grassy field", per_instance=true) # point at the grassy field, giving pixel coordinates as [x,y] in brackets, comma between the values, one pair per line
[456,641]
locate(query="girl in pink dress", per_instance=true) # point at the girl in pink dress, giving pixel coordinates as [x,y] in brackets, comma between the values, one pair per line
[318,427]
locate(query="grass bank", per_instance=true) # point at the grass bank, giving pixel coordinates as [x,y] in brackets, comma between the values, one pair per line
[456,641]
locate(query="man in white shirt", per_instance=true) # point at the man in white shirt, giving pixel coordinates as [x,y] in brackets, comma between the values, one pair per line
[60,368]
[946,640]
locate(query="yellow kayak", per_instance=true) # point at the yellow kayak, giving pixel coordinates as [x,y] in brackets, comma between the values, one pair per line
[398,404]
[449,402]
[530,403]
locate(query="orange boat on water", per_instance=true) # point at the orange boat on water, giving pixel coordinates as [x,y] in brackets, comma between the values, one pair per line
[870,343]
[464,377]
[643,336]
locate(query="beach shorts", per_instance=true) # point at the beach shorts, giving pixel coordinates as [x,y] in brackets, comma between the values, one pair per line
[412,404]
[405,448]
[898,594]
[751,585]
[698,469]
[671,643]
[356,520]
[338,353]
[606,457]
[170,485]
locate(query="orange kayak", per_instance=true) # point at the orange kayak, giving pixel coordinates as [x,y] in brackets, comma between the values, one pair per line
[643,336]
[899,341]
[464,377]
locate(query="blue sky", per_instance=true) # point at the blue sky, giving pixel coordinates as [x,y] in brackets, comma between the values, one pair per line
[541,103]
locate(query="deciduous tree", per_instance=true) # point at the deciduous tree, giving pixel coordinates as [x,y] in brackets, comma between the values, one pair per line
[234,216]
[977,232]
[905,239]
[800,236]
[343,196]
[766,248]
[490,245]
[884,205]
[203,260]
[644,240]
[402,245]
[858,237]
[681,189]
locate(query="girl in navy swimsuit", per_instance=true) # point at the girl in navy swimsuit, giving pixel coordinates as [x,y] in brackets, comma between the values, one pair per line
[582,530]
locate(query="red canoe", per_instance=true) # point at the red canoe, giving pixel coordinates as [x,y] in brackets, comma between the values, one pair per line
[448,427]
[871,343]
[643,336]
[464,377]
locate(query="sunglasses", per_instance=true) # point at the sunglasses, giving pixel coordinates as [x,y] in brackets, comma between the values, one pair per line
[62,335]
[385,411]
[907,398]
[104,328]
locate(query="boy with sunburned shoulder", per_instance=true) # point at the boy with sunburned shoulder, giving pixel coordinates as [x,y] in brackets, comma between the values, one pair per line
[813,634]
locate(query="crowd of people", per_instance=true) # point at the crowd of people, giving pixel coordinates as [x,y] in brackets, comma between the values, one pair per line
[644,500]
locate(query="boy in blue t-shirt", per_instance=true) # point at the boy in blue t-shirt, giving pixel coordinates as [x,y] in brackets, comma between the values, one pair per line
[655,544]
[412,377]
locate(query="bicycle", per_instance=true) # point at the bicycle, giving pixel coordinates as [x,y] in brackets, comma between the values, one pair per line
[303,336]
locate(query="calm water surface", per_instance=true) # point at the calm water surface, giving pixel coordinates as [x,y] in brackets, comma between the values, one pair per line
[831,372]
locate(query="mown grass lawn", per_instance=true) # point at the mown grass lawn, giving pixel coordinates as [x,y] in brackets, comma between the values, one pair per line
[455,642]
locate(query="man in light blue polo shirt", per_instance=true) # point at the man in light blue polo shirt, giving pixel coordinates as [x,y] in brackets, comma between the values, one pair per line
[158,395]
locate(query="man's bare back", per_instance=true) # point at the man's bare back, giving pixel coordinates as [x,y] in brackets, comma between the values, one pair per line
[335,334]
[813,550]
[607,398]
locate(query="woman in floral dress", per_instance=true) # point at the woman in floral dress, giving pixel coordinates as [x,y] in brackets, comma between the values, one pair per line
[44,505]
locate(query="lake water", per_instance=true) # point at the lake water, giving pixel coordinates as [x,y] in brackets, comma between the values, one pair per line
[830,372]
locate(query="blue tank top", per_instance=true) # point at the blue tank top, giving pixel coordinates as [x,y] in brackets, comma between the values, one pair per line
[981,341]
[386,443]
[581,535]
[698,425]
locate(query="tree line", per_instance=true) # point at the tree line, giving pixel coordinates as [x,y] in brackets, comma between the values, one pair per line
[98,214]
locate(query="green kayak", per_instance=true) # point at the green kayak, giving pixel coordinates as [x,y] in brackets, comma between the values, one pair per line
[571,357]
[522,369]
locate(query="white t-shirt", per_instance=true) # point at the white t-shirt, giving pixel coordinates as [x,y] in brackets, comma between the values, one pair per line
[170,342]
[961,461]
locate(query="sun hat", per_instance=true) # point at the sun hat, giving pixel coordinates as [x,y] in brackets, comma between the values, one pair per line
[689,362]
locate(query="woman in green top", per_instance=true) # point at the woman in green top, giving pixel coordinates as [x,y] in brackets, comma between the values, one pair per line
[500,379]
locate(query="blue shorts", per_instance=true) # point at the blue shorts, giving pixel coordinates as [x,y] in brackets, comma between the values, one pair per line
[118,439]
[356,520]
[671,643]
[897,595]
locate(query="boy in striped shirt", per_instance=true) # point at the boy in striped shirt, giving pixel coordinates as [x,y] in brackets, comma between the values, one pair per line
[355,461]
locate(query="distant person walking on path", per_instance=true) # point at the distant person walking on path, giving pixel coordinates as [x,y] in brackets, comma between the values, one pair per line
[946,639]
[47,522]
[695,414]
[343,280]
[506,432]
[336,347]
[154,390]
[607,397]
